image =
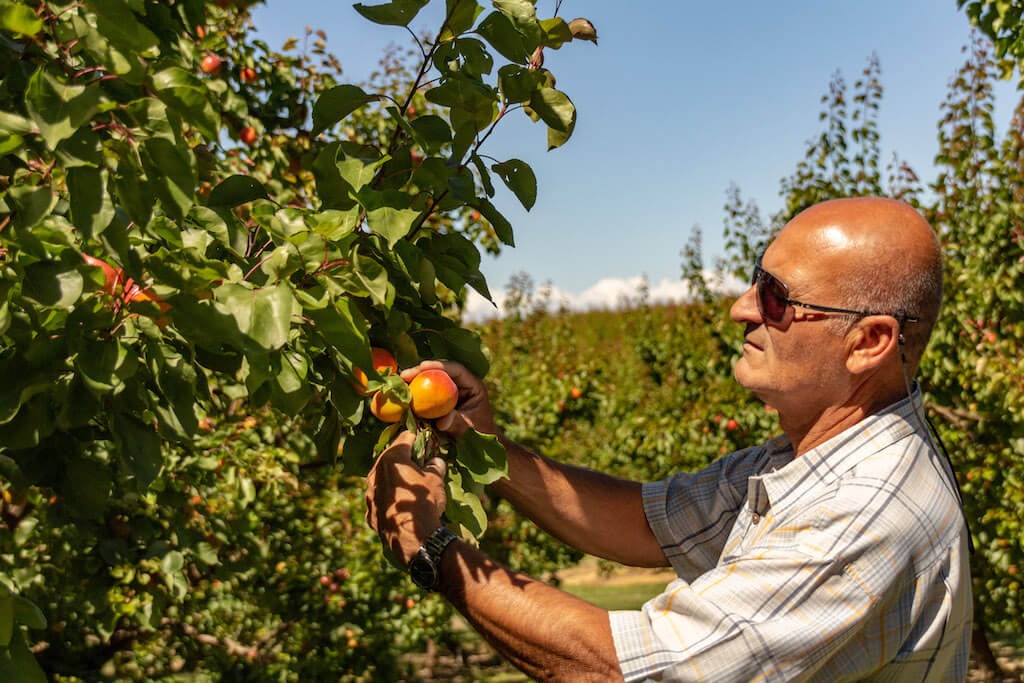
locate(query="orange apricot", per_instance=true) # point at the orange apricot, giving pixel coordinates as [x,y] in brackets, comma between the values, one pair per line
[383,362]
[434,394]
[386,408]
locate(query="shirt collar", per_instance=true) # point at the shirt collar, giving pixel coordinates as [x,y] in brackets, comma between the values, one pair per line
[785,476]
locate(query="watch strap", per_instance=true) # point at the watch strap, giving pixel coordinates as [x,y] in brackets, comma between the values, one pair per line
[437,542]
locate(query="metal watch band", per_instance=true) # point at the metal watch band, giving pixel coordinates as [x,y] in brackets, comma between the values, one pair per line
[437,542]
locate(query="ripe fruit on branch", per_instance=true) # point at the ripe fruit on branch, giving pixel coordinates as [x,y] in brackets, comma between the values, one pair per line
[248,75]
[434,394]
[386,407]
[211,64]
[248,135]
[383,362]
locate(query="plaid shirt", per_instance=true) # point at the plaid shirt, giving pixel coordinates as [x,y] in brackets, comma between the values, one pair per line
[847,563]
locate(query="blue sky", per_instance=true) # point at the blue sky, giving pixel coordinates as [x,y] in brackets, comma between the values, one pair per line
[677,102]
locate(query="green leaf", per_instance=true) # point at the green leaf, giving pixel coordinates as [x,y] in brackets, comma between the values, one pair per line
[116,22]
[57,108]
[10,142]
[31,204]
[289,386]
[18,664]
[139,447]
[466,347]
[331,188]
[518,177]
[172,175]
[499,31]
[473,99]
[464,507]
[457,262]
[178,382]
[396,13]
[335,104]
[556,32]
[13,123]
[523,15]
[461,15]
[91,206]
[6,617]
[518,83]
[27,612]
[207,554]
[328,433]
[235,190]
[432,131]
[358,173]
[391,223]
[481,457]
[84,148]
[52,283]
[374,278]
[554,108]
[344,328]
[133,192]
[105,365]
[485,176]
[189,97]
[18,18]
[357,452]
[271,316]
[467,56]
[501,225]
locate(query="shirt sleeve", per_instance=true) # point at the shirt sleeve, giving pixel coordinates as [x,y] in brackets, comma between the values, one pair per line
[771,616]
[691,514]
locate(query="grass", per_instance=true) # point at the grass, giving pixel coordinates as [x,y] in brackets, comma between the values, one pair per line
[628,596]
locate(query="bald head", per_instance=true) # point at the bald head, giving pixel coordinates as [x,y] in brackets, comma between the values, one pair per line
[880,254]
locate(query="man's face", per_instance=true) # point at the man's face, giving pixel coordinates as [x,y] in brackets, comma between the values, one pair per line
[798,364]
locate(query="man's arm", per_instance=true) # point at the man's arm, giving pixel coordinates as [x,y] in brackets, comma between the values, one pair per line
[549,634]
[590,511]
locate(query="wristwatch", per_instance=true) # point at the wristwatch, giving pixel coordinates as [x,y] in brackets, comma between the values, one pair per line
[425,566]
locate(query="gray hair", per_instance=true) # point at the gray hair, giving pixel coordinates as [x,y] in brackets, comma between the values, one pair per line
[902,286]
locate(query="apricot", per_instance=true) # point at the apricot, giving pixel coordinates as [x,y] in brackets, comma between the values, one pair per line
[383,363]
[386,408]
[434,394]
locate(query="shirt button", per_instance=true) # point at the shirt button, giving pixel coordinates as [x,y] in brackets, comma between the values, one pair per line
[755,518]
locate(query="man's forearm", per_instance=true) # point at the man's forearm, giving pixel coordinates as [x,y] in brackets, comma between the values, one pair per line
[593,512]
[547,633]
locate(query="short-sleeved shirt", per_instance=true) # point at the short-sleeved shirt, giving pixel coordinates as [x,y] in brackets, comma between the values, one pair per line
[847,563]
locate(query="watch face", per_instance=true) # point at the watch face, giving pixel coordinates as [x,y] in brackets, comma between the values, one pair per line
[422,571]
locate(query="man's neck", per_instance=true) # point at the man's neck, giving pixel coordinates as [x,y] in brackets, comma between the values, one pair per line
[813,430]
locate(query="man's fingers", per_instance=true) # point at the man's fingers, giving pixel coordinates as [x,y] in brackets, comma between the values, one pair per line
[453,423]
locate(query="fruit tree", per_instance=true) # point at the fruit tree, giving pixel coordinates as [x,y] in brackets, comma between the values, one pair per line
[201,239]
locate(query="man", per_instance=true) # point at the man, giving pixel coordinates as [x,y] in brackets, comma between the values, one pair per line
[835,552]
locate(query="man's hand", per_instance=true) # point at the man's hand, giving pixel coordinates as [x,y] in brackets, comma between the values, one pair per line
[404,502]
[473,410]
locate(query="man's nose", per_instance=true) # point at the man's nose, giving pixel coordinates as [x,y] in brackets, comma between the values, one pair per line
[744,309]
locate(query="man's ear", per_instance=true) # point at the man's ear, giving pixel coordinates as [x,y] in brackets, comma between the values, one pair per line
[871,342]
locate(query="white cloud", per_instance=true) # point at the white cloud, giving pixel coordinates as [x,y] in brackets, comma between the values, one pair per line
[605,294]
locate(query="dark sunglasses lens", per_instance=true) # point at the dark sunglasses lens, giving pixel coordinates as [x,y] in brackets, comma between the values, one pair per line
[772,298]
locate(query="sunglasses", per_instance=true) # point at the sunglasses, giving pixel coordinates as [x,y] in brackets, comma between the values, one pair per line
[773,300]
